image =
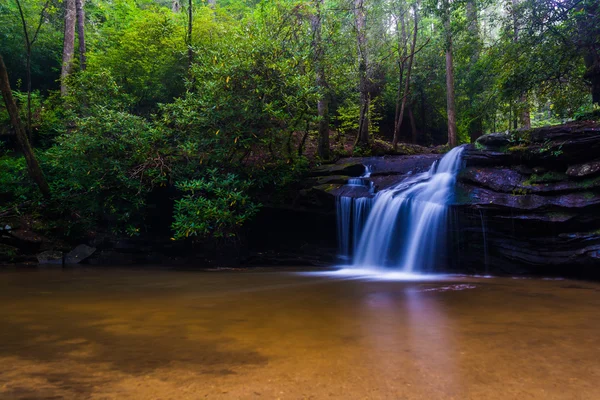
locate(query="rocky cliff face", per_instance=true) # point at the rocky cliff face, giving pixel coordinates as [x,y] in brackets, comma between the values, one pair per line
[536,196]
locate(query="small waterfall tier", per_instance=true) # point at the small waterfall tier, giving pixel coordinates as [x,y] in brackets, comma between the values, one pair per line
[403,227]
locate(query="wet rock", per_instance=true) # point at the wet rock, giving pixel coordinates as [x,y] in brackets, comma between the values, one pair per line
[348,168]
[586,169]
[50,257]
[518,210]
[79,253]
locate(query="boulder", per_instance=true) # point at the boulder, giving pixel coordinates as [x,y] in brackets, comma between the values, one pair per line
[79,253]
[50,257]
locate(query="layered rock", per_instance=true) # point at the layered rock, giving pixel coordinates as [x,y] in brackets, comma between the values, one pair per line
[529,201]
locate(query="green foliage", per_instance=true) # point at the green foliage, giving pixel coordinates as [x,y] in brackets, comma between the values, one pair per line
[106,166]
[15,185]
[221,133]
[216,206]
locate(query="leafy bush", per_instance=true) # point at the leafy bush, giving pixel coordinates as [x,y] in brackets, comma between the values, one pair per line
[215,206]
[107,165]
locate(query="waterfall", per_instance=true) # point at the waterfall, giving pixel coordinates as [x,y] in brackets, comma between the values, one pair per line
[352,215]
[404,226]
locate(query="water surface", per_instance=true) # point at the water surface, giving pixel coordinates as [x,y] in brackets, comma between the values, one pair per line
[157,334]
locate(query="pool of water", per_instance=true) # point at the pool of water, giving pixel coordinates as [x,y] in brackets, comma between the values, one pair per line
[279,334]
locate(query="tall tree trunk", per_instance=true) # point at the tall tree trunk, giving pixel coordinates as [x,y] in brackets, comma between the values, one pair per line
[81,33]
[411,56]
[525,116]
[452,131]
[323,102]
[476,121]
[32,164]
[365,98]
[413,125]
[592,74]
[68,45]
[523,106]
[189,34]
[401,39]
[29,41]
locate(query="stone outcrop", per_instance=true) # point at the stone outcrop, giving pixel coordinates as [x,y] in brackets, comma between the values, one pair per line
[529,201]
[327,182]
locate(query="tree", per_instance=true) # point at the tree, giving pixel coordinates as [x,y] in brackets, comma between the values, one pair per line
[475,87]
[188,41]
[29,41]
[363,72]
[523,107]
[450,101]
[321,82]
[401,99]
[32,164]
[81,33]
[68,45]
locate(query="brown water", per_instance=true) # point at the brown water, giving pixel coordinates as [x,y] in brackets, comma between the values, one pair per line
[151,334]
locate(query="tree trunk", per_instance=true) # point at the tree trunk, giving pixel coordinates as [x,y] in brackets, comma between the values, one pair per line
[68,45]
[81,33]
[452,134]
[32,165]
[525,113]
[29,41]
[592,73]
[323,102]
[189,34]
[476,122]
[411,56]
[523,106]
[361,38]
[175,6]
[413,126]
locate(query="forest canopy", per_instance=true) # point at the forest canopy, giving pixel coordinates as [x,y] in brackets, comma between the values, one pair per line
[214,106]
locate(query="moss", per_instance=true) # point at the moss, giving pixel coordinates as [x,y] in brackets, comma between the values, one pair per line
[548,177]
[521,191]
[589,183]
[517,148]
[520,137]
[327,187]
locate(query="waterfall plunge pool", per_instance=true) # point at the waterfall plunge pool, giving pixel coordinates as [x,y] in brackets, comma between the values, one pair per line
[107,333]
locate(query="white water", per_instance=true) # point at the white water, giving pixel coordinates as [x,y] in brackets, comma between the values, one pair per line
[407,224]
[352,215]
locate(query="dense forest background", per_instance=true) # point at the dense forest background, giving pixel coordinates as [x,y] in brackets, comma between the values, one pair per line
[118,111]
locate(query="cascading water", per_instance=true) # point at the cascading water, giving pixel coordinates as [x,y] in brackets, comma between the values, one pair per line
[352,215]
[405,226]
